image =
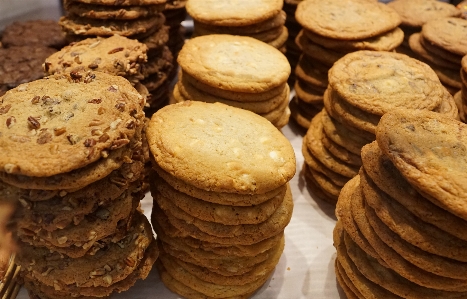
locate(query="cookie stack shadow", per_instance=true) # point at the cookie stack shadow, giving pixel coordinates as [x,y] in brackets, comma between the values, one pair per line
[219,222]
[438,46]
[245,80]
[259,19]
[141,20]
[399,232]
[356,98]
[325,39]
[77,226]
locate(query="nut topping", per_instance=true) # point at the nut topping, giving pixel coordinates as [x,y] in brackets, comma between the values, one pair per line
[5,109]
[89,142]
[62,240]
[33,123]
[10,122]
[59,131]
[35,99]
[72,138]
[119,49]
[95,101]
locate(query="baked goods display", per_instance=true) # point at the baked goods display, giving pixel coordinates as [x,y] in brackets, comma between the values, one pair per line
[77,229]
[260,19]
[415,13]
[141,20]
[364,85]
[441,45]
[221,197]
[336,28]
[219,212]
[399,232]
[237,71]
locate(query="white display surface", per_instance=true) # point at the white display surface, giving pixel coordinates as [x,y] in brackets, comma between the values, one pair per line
[306,268]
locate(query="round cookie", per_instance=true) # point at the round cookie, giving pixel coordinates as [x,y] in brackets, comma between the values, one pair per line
[377,82]
[220,162]
[438,176]
[424,55]
[386,41]
[34,33]
[59,122]
[447,33]
[232,13]
[246,68]
[415,13]
[346,19]
[116,55]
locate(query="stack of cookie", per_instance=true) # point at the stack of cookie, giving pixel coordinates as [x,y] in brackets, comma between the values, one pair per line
[260,19]
[23,48]
[399,231]
[175,14]
[293,52]
[325,38]
[362,87]
[237,71]
[219,210]
[78,230]
[142,20]
[461,96]
[415,13]
[441,45]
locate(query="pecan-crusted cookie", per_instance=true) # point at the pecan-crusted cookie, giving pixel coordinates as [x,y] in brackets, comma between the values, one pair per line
[96,27]
[230,13]
[347,20]
[447,33]
[34,33]
[116,55]
[247,68]
[60,209]
[433,173]
[111,12]
[222,163]
[21,64]
[66,122]
[377,82]
[415,13]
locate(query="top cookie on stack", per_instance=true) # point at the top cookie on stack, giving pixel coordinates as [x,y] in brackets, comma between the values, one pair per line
[260,19]
[235,70]
[415,13]
[331,29]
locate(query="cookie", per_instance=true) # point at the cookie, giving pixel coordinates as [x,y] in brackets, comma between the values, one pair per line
[340,152]
[308,94]
[54,129]
[275,21]
[447,33]
[417,48]
[344,281]
[122,2]
[376,88]
[95,27]
[116,55]
[231,14]
[188,92]
[348,20]
[438,51]
[223,214]
[418,12]
[21,64]
[366,287]
[380,175]
[34,33]
[233,95]
[319,53]
[107,12]
[223,198]
[312,72]
[422,259]
[90,270]
[225,175]
[386,41]
[246,69]
[428,138]
[314,144]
